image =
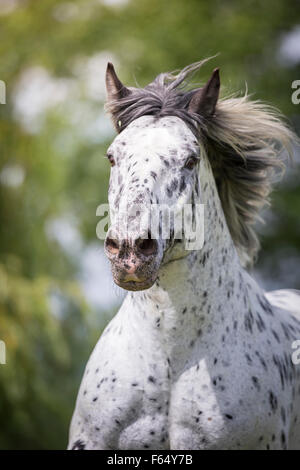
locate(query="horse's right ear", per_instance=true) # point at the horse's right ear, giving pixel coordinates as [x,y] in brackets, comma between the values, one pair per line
[114,87]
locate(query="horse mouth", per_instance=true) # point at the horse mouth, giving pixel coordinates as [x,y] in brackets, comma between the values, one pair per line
[135,285]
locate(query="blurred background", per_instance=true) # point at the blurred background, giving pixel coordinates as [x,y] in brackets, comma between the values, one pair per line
[56,293]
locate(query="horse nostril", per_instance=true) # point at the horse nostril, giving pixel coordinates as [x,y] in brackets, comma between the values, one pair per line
[146,246]
[112,245]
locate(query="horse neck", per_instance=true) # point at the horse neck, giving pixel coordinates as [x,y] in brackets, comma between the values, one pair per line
[199,294]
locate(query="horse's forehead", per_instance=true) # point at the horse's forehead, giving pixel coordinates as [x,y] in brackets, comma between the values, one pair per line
[156,134]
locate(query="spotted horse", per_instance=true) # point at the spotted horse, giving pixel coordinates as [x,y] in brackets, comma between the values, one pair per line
[199,356]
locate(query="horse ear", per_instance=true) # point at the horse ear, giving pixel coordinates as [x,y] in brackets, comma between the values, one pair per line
[204,100]
[114,87]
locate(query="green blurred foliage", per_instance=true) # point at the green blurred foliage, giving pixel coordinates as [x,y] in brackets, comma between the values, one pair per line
[44,357]
[64,172]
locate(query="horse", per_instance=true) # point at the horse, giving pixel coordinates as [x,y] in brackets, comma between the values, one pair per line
[198,356]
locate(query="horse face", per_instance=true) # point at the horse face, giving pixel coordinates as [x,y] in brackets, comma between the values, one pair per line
[154,174]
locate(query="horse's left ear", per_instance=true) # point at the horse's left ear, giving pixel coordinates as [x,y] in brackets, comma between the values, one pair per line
[114,87]
[204,100]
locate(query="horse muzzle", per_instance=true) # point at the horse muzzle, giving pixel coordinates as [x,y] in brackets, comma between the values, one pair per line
[134,262]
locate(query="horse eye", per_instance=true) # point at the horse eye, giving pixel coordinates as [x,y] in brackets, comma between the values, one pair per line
[191,162]
[111,160]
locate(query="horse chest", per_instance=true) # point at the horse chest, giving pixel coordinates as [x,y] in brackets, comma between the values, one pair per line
[186,414]
[213,394]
